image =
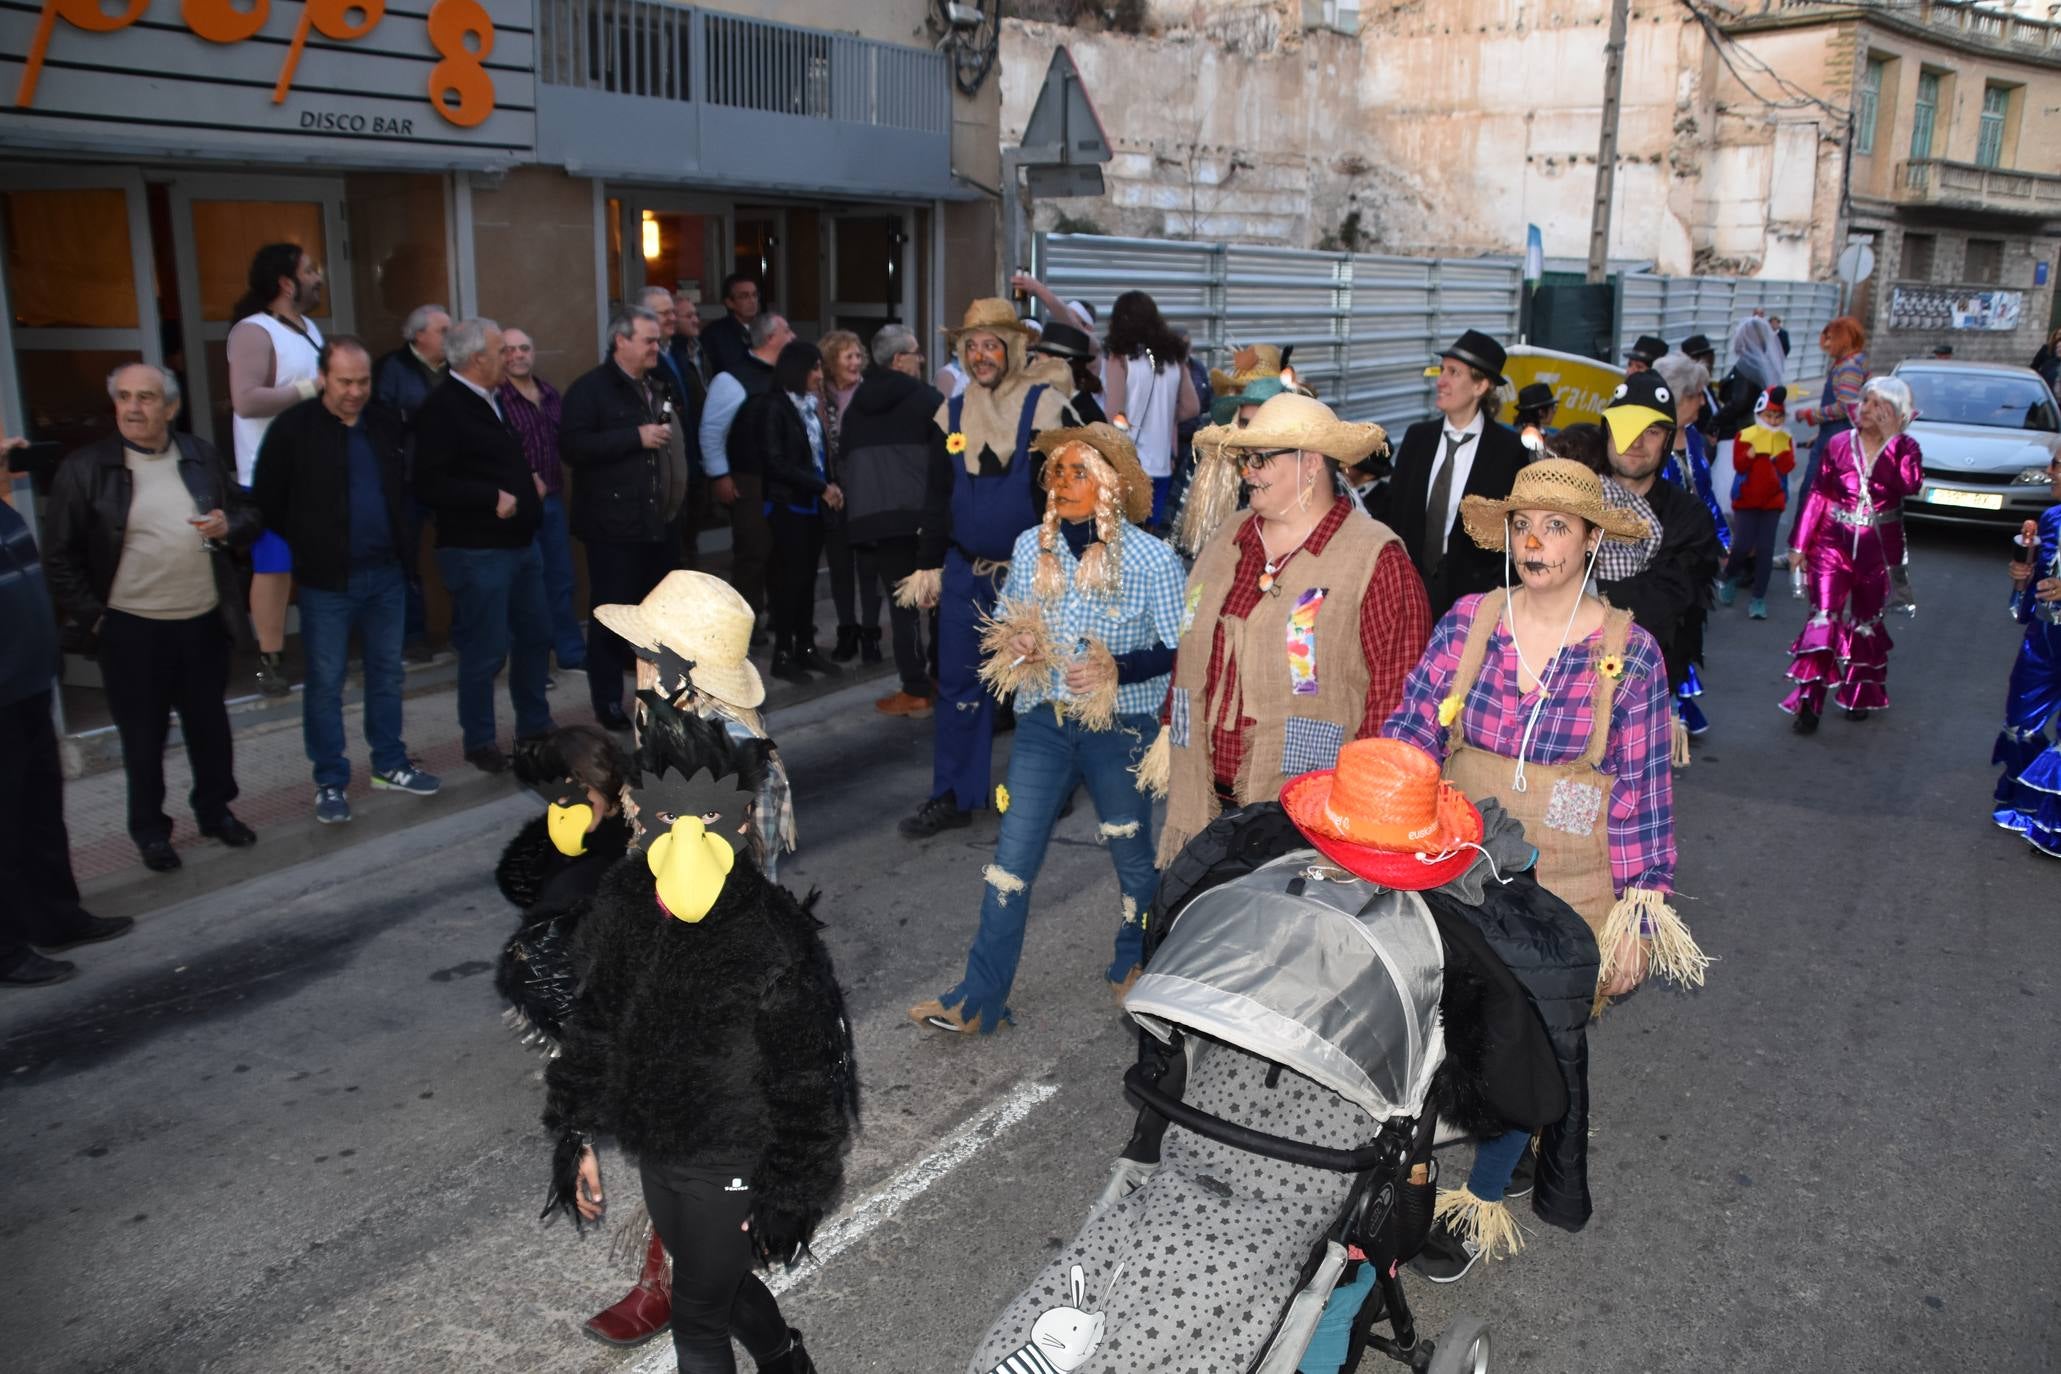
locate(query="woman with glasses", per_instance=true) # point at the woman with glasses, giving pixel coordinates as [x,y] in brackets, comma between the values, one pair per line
[1304,617]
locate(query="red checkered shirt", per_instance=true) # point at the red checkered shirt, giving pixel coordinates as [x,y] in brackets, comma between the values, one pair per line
[1395,624]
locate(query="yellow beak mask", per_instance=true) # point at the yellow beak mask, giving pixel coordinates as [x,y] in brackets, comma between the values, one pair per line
[568,819]
[693,829]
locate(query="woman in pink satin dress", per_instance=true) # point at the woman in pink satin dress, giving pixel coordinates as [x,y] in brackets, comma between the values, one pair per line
[1849,539]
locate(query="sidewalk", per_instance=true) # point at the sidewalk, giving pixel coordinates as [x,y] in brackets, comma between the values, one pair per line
[278,795]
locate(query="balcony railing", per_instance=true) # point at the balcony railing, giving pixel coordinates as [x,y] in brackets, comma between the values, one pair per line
[1964,185]
[1966,19]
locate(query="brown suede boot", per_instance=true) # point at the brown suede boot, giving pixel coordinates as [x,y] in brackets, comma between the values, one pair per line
[646,1310]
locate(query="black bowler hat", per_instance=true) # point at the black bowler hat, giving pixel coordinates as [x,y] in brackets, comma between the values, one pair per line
[1535,396]
[1064,341]
[1697,344]
[1479,352]
[1648,350]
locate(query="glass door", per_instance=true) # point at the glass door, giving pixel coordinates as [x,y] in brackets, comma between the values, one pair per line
[872,269]
[218,225]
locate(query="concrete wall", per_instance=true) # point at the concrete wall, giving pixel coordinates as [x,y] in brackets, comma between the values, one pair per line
[533,244]
[400,250]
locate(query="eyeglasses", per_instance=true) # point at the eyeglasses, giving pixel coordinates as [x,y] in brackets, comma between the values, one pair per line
[1253,462]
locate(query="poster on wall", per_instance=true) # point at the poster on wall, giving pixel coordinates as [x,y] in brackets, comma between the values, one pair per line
[1946,307]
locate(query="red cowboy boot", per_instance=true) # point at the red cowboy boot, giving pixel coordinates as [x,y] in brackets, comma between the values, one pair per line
[645,1311]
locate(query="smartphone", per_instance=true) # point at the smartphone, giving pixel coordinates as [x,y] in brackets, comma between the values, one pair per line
[40,456]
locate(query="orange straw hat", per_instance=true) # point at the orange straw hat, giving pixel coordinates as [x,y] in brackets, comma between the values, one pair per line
[1386,815]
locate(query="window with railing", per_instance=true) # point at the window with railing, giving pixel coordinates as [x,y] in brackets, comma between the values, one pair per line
[1984,263]
[1866,106]
[1989,138]
[1924,111]
[754,66]
[1918,253]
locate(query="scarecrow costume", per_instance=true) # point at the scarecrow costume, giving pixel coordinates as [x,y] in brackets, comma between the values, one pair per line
[1259,373]
[2029,792]
[987,433]
[1099,592]
[709,1038]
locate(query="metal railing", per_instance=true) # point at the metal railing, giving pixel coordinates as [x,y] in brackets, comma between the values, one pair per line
[1673,308]
[1934,181]
[1993,28]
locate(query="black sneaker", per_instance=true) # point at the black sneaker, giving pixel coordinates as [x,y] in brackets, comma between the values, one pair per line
[1522,1178]
[612,716]
[91,930]
[939,813]
[488,758]
[159,856]
[1806,722]
[272,678]
[810,659]
[231,832]
[1445,1258]
[788,668]
[31,970]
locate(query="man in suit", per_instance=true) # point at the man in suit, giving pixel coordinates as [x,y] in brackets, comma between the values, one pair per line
[472,472]
[727,341]
[1464,452]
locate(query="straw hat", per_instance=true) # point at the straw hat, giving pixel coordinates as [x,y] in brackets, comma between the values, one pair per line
[1299,422]
[1248,364]
[991,314]
[703,620]
[1550,484]
[1386,815]
[1116,448]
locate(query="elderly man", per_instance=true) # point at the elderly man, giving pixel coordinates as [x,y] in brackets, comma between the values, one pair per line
[623,435]
[141,525]
[470,470]
[331,477]
[689,392]
[735,473]
[401,382]
[729,339]
[534,409]
[985,434]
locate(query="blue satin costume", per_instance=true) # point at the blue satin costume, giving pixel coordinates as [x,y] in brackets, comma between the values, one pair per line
[1697,481]
[2029,792]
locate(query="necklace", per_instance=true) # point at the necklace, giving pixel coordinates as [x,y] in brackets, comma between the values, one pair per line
[297,326]
[1274,565]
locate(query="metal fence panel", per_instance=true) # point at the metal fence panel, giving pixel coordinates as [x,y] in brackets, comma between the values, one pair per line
[1676,307]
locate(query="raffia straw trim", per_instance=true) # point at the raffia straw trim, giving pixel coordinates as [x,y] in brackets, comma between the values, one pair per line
[999,670]
[1154,772]
[1488,1224]
[1671,951]
[633,1239]
[921,589]
[1212,499]
[1678,744]
[1097,710]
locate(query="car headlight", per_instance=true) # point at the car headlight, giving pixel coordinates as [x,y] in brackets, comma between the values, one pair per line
[2035,477]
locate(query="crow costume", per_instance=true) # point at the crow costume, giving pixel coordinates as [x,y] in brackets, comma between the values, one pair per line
[709,1037]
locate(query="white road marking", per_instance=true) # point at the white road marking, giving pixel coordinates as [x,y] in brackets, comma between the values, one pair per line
[852,1225]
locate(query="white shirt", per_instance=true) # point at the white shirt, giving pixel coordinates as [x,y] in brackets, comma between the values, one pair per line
[1463,461]
[485,395]
[718,412]
[296,356]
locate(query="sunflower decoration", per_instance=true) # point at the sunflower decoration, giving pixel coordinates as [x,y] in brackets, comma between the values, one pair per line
[1449,710]
[1001,799]
[955,443]
[1611,666]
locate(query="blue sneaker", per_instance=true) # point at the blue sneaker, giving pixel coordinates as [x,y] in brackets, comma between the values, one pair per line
[407,778]
[1758,608]
[1727,593]
[331,807]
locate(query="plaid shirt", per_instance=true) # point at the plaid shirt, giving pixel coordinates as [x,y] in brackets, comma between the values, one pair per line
[1146,612]
[537,427]
[1617,559]
[1642,822]
[1395,620]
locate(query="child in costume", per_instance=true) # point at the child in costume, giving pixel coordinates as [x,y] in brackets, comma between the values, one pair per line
[1084,636]
[2029,792]
[1763,456]
[709,1038]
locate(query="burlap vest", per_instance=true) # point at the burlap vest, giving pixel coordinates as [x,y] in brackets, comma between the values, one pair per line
[1565,807]
[1301,675]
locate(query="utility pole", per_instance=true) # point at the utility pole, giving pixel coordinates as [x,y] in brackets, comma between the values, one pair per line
[1606,146]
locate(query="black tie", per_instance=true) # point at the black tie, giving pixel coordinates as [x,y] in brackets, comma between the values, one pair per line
[1435,522]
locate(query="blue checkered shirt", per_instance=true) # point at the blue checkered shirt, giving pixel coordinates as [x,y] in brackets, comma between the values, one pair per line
[1146,611]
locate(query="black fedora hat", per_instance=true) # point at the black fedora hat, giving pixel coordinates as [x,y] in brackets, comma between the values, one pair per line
[1697,344]
[1479,352]
[1535,396]
[1064,341]
[1649,350]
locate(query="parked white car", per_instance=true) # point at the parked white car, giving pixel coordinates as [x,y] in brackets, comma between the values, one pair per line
[1988,432]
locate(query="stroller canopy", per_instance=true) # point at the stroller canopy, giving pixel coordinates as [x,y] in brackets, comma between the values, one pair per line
[1303,964]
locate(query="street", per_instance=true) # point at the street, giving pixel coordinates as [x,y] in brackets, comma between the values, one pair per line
[283,1128]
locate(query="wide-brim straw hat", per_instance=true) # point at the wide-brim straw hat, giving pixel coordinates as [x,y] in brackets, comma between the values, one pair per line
[1119,452]
[1386,815]
[1299,422]
[992,314]
[1248,364]
[1550,484]
[703,620]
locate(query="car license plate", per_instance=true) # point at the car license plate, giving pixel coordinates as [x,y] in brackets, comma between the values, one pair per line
[1974,500]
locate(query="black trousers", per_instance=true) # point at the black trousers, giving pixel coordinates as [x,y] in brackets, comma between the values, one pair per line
[39,902]
[791,576]
[699,1215]
[893,560]
[152,668]
[751,540]
[618,574]
[854,578]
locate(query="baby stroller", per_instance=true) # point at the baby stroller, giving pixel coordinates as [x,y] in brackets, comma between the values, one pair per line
[1267,967]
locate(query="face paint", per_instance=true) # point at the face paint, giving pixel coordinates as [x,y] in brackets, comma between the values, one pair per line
[693,830]
[569,819]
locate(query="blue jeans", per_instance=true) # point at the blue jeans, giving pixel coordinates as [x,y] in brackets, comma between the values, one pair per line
[1049,759]
[374,604]
[1494,1162]
[417,627]
[554,545]
[499,617]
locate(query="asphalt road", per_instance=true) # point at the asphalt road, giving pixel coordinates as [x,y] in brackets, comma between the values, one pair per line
[281,1128]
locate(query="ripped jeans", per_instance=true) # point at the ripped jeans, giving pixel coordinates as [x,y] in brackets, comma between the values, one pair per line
[1051,757]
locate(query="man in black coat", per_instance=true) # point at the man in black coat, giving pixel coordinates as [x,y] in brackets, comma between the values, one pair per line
[896,483]
[140,529]
[332,478]
[471,471]
[1462,453]
[623,433]
[728,340]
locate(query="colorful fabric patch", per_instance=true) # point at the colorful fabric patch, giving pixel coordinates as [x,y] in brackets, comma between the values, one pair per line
[1307,745]
[1177,718]
[1574,807]
[1188,611]
[1302,643]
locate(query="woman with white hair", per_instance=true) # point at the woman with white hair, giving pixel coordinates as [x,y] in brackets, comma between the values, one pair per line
[1849,539]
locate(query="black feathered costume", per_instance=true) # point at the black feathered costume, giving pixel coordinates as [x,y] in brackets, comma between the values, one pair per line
[551,889]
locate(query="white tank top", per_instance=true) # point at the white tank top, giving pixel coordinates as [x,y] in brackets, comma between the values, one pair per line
[294,356]
[1150,397]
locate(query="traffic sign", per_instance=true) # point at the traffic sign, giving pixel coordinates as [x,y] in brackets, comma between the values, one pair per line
[1856,264]
[1064,119]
